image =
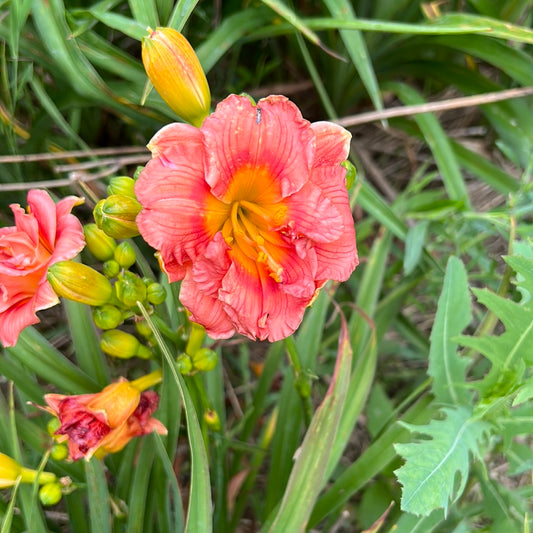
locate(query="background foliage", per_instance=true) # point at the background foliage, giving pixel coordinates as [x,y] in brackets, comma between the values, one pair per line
[428,426]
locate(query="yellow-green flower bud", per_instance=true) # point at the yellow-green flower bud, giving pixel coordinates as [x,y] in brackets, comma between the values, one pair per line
[111,269]
[98,242]
[79,282]
[116,216]
[156,293]
[204,359]
[52,426]
[120,344]
[11,471]
[125,254]
[184,364]
[107,316]
[59,452]
[176,73]
[143,328]
[212,420]
[130,289]
[50,493]
[121,185]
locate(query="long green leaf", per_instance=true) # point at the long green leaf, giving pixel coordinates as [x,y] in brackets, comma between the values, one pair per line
[99,508]
[357,50]
[309,472]
[199,510]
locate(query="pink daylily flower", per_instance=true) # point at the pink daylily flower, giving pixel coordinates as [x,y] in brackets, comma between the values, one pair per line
[44,235]
[251,212]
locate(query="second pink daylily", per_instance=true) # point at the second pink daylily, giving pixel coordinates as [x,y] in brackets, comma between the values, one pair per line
[251,212]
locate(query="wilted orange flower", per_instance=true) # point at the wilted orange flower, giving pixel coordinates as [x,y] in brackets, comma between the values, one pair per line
[251,211]
[46,234]
[102,423]
[176,73]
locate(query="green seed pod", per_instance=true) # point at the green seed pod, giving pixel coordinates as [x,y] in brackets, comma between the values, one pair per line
[121,185]
[125,254]
[111,269]
[119,344]
[79,282]
[156,293]
[116,216]
[50,493]
[184,364]
[59,452]
[212,420]
[98,242]
[107,316]
[130,289]
[204,359]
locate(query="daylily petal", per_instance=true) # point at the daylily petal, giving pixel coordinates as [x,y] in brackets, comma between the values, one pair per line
[14,319]
[42,207]
[312,214]
[272,135]
[173,194]
[332,143]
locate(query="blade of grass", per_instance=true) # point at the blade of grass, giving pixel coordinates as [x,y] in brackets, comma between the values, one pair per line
[357,50]
[35,352]
[145,12]
[309,472]
[86,343]
[181,13]
[98,496]
[199,510]
[139,493]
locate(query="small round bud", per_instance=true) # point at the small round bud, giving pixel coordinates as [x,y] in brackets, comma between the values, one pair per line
[137,172]
[50,493]
[120,344]
[184,364]
[116,216]
[59,452]
[121,185]
[52,426]
[156,294]
[143,352]
[98,242]
[111,269]
[212,420]
[130,289]
[107,316]
[143,328]
[79,282]
[125,254]
[204,359]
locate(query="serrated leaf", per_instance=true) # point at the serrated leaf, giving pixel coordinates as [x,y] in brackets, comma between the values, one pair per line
[446,367]
[429,475]
[510,351]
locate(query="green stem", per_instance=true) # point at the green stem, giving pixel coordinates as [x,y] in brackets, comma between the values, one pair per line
[302,381]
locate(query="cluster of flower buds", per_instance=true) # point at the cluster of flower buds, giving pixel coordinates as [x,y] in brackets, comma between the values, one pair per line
[115,293]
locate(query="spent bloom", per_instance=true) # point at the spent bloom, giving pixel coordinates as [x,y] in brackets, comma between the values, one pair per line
[45,234]
[176,73]
[102,423]
[251,211]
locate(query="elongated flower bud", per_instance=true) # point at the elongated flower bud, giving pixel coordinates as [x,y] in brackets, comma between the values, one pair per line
[101,245]
[120,344]
[10,471]
[116,216]
[176,73]
[78,282]
[125,254]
